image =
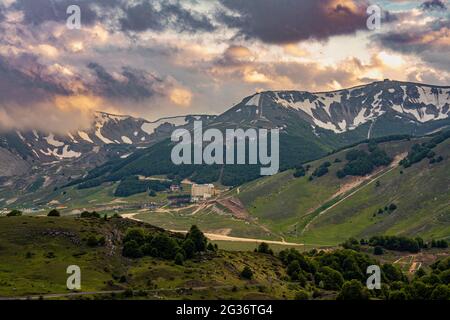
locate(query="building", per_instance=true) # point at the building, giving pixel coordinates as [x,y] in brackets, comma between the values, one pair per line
[175,188]
[201,192]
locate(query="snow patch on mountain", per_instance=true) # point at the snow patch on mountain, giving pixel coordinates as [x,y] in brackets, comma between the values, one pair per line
[52,141]
[126,140]
[83,135]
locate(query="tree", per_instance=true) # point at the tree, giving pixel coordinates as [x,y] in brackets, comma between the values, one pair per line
[179,259]
[418,290]
[441,292]
[247,273]
[392,207]
[54,213]
[398,295]
[87,214]
[353,290]
[135,234]
[14,213]
[131,249]
[189,248]
[293,269]
[352,244]
[392,273]
[378,251]
[445,277]
[211,247]
[198,238]
[167,247]
[264,248]
[331,279]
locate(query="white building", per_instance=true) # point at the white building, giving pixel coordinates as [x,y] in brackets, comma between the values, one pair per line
[201,192]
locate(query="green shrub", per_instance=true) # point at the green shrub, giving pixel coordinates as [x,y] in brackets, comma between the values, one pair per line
[54,213]
[14,213]
[353,290]
[301,295]
[247,273]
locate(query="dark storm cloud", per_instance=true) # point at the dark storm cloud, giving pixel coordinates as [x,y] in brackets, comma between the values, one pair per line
[40,11]
[26,81]
[416,39]
[2,16]
[134,84]
[287,21]
[433,5]
[430,41]
[148,16]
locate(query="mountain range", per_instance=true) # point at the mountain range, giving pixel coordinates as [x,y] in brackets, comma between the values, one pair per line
[312,125]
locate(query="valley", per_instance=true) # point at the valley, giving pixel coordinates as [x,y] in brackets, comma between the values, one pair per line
[122,166]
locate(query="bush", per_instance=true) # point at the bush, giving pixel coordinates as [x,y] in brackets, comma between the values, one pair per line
[14,213]
[93,241]
[301,295]
[445,277]
[131,249]
[264,248]
[361,163]
[300,172]
[330,278]
[398,295]
[378,251]
[135,234]
[179,259]
[353,290]
[247,273]
[397,243]
[441,292]
[54,213]
[87,214]
[165,246]
[189,248]
[352,244]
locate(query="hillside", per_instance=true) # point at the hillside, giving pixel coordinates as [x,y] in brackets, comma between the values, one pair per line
[37,162]
[328,210]
[36,251]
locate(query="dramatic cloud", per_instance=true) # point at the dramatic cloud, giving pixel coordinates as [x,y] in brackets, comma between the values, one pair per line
[159,16]
[287,21]
[430,40]
[433,5]
[40,11]
[129,84]
[154,58]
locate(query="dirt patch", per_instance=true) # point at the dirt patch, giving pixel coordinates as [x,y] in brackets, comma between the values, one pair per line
[236,207]
[224,231]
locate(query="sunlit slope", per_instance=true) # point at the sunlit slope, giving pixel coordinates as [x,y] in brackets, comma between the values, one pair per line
[421,194]
[328,210]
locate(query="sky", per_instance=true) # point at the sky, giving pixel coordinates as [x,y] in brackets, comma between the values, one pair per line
[155,58]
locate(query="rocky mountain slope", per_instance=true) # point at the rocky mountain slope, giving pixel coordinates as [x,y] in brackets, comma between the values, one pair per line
[109,136]
[311,125]
[415,108]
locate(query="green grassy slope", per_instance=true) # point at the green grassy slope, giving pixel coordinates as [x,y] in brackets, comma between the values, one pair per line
[292,206]
[36,251]
[421,193]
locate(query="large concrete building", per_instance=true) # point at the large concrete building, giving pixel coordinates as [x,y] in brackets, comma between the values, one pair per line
[201,192]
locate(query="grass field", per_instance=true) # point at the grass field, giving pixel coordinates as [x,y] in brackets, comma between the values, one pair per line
[286,205]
